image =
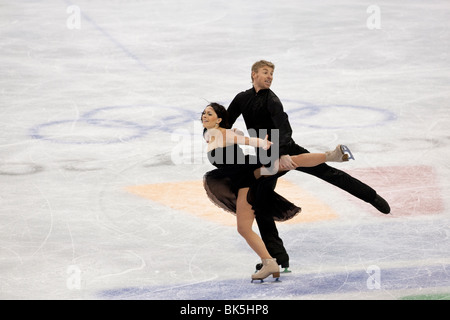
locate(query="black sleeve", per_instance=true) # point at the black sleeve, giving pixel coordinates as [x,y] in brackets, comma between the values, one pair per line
[234,111]
[281,122]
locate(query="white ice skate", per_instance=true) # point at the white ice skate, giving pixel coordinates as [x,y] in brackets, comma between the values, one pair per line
[270,267]
[284,269]
[340,154]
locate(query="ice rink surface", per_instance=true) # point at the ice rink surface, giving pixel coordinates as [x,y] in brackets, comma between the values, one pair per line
[101,155]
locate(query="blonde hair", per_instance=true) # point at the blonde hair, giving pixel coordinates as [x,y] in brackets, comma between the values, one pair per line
[259,64]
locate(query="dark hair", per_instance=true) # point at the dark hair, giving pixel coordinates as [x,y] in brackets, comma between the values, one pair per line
[221,113]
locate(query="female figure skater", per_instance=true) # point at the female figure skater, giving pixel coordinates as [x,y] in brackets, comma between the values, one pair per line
[236,183]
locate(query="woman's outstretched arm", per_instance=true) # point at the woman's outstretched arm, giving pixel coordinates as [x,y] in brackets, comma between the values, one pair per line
[233,138]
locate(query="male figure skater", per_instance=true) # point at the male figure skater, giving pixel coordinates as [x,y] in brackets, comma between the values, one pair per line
[262,109]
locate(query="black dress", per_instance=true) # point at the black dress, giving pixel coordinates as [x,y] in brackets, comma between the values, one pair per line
[234,171]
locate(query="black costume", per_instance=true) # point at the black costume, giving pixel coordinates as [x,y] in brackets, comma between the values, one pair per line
[264,110]
[235,171]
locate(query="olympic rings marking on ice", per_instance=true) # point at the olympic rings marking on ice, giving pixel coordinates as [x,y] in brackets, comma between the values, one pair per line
[132,130]
[137,131]
[309,110]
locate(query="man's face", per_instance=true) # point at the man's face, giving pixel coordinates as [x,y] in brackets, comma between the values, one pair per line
[263,78]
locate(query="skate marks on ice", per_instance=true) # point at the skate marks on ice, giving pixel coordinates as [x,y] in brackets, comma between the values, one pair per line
[410,190]
[191,198]
[19,168]
[390,283]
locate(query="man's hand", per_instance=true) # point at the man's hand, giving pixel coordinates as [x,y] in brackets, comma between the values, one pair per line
[286,163]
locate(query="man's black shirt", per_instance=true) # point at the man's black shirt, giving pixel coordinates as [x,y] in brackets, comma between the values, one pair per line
[262,110]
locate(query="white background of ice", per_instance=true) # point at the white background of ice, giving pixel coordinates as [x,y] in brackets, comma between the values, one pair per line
[86,112]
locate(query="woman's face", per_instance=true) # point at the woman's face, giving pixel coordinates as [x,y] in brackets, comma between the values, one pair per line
[209,118]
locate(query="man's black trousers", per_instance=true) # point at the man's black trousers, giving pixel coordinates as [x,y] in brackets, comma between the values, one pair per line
[338,178]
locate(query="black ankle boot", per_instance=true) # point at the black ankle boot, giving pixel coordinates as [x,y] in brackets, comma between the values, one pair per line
[381,204]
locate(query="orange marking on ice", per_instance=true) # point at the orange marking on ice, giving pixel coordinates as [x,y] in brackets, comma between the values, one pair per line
[190,197]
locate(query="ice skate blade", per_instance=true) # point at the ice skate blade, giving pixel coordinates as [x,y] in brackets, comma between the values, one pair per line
[347,153]
[275,275]
[261,281]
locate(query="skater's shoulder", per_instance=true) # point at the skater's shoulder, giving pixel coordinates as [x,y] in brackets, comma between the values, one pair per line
[271,93]
[273,97]
[268,93]
[250,91]
[243,96]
